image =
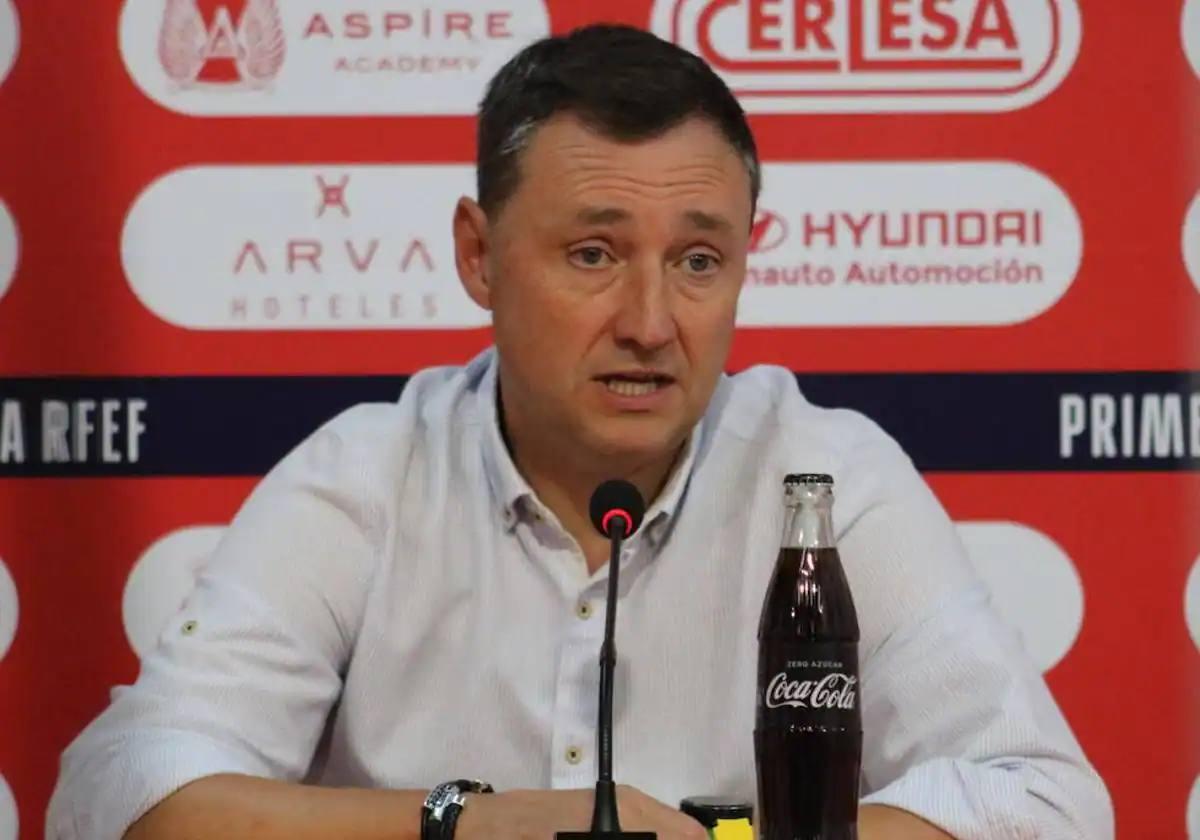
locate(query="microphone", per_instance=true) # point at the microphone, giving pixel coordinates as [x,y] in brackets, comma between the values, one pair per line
[616,511]
[613,502]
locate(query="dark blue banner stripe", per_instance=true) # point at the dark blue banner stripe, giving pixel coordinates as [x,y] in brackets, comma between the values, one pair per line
[229,426]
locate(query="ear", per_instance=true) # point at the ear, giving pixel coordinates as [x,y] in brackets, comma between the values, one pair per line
[471,253]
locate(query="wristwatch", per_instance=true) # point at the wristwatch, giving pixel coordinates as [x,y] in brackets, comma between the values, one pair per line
[444,803]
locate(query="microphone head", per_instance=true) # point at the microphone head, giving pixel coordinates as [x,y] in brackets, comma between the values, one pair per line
[617,498]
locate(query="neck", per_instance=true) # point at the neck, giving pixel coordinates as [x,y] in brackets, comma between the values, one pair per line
[563,477]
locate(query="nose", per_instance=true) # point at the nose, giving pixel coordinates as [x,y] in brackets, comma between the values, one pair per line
[645,319]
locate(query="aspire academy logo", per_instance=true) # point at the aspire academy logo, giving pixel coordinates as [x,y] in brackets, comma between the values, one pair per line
[879,55]
[310,57]
[215,49]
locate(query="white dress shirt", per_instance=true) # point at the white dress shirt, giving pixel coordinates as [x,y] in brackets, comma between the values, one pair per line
[394,607]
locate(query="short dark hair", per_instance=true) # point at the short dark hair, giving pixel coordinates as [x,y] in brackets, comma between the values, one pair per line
[622,82]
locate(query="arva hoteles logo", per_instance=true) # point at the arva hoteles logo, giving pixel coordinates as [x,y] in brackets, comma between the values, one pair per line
[196,48]
[300,247]
[271,57]
[879,55]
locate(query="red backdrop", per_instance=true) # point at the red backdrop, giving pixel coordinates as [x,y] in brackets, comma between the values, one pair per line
[88,123]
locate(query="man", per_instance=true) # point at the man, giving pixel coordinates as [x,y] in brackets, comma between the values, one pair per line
[415,594]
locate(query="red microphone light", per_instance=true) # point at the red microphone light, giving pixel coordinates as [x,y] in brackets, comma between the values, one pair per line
[616,497]
[617,513]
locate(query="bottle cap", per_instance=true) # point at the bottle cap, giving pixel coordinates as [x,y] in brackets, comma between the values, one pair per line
[706,810]
[808,478]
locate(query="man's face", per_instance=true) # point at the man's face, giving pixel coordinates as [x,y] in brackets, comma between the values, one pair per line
[613,276]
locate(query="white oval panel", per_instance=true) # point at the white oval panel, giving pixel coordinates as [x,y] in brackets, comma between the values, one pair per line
[161,580]
[284,57]
[10,609]
[908,244]
[1191,602]
[1033,582]
[1191,241]
[300,247]
[9,823]
[10,37]
[784,56]
[1190,32]
[1193,811]
[9,246]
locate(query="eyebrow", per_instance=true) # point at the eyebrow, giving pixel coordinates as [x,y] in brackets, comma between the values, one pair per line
[601,215]
[708,221]
[612,215]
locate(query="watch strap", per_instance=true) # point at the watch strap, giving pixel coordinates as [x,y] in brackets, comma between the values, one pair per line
[427,830]
[450,822]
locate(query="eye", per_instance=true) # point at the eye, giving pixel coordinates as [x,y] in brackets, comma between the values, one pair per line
[699,262]
[589,256]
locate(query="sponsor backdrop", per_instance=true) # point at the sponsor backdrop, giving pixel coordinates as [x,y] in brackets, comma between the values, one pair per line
[223,221]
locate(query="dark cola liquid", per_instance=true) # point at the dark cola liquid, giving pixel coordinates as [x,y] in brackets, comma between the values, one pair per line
[808,726]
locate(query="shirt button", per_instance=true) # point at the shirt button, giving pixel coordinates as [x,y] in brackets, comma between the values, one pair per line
[574,755]
[584,610]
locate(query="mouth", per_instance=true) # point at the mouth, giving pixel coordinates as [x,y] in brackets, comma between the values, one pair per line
[635,383]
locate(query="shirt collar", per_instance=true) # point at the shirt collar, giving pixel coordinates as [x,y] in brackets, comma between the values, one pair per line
[508,486]
[511,491]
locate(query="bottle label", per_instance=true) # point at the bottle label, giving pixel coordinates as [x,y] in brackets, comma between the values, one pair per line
[811,683]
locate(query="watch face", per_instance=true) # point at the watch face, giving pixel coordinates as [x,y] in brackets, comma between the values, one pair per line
[440,797]
[451,793]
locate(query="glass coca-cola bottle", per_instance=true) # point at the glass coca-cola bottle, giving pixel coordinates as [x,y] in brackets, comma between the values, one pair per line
[808,724]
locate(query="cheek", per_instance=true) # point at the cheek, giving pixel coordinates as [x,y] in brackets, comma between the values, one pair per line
[547,327]
[706,336]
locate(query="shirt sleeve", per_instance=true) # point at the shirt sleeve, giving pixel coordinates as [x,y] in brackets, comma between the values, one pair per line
[244,675]
[959,726]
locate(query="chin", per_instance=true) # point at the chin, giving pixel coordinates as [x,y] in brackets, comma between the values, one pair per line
[635,439]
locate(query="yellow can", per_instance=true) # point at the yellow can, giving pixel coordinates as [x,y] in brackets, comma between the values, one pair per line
[739,829]
[725,817]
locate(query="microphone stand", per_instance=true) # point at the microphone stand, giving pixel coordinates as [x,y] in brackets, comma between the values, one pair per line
[605,823]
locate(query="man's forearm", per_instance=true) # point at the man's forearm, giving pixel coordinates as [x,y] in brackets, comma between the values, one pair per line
[235,807]
[881,822]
